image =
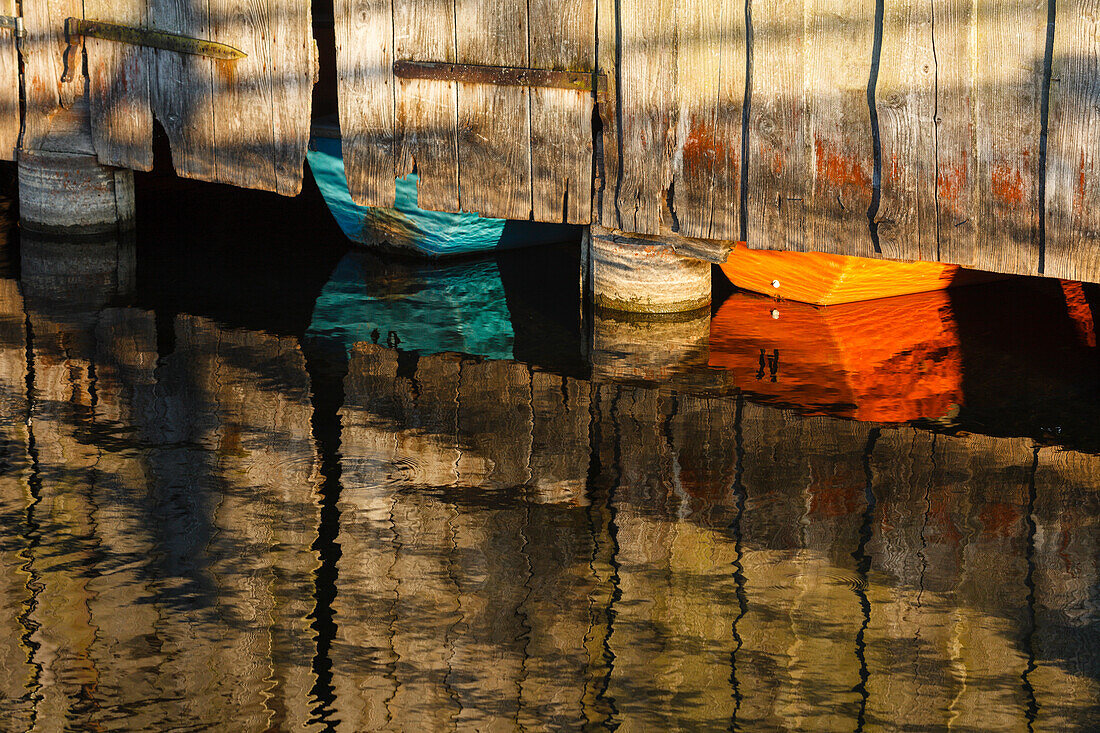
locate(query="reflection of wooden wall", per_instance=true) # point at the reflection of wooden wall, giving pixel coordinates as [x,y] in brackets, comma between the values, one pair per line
[718,560]
[163,511]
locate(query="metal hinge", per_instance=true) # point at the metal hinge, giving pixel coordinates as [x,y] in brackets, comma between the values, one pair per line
[514,76]
[76,28]
[15,25]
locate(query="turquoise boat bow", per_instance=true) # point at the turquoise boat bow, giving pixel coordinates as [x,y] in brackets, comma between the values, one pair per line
[408,229]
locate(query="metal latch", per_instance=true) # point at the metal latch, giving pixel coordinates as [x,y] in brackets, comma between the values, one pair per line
[77,27]
[15,25]
[584,81]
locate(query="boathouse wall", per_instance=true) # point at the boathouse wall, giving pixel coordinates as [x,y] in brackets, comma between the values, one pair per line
[945,130]
[937,130]
[243,122]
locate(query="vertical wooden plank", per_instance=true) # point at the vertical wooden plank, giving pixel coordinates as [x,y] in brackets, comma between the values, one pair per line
[957,218]
[426,116]
[47,127]
[293,66]
[562,34]
[905,98]
[840,40]
[183,89]
[10,120]
[710,85]
[364,71]
[778,167]
[243,126]
[1011,40]
[646,44]
[1073,152]
[118,89]
[494,123]
[608,142]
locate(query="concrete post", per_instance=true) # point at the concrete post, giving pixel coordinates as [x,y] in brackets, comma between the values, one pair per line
[623,273]
[63,189]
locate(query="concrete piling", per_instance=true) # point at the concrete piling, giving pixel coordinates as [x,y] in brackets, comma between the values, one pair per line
[643,278]
[63,188]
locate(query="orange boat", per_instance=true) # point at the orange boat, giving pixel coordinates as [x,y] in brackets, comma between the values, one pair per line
[886,360]
[827,279]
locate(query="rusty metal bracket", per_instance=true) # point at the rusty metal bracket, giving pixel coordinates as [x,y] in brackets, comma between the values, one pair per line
[15,25]
[510,76]
[77,27]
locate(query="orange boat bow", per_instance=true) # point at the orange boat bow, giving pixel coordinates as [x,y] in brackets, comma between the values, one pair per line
[827,279]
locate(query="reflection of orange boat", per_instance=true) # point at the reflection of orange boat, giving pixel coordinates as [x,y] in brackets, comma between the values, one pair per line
[828,279]
[886,360]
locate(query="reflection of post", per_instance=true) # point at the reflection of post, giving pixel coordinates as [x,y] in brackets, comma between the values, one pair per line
[63,275]
[637,346]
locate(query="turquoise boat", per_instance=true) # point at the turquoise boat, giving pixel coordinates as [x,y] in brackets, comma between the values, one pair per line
[408,229]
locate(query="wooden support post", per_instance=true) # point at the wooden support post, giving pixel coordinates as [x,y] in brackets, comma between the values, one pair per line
[64,190]
[625,273]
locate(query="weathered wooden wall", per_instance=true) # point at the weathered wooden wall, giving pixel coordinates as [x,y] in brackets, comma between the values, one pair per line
[506,151]
[9,87]
[244,123]
[916,130]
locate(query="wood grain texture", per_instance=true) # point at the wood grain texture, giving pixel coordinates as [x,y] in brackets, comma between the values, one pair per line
[840,39]
[10,118]
[905,98]
[426,113]
[779,166]
[710,86]
[1011,37]
[957,218]
[494,122]
[293,68]
[183,89]
[606,142]
[118,89]
[562,37]
[1073,153]
[645,41]
[364,68]
[244,135]
[47,97]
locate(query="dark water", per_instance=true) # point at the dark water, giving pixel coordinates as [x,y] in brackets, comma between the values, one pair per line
[213,518]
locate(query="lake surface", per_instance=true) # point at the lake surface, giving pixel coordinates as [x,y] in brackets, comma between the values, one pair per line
[253,481]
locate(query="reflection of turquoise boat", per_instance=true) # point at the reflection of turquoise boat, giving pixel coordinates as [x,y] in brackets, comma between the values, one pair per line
[425,308]
[409,229]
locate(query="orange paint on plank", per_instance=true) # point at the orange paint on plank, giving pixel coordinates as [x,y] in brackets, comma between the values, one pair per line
[1082,186]
[952,181]
[1008,185]
[840,170]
